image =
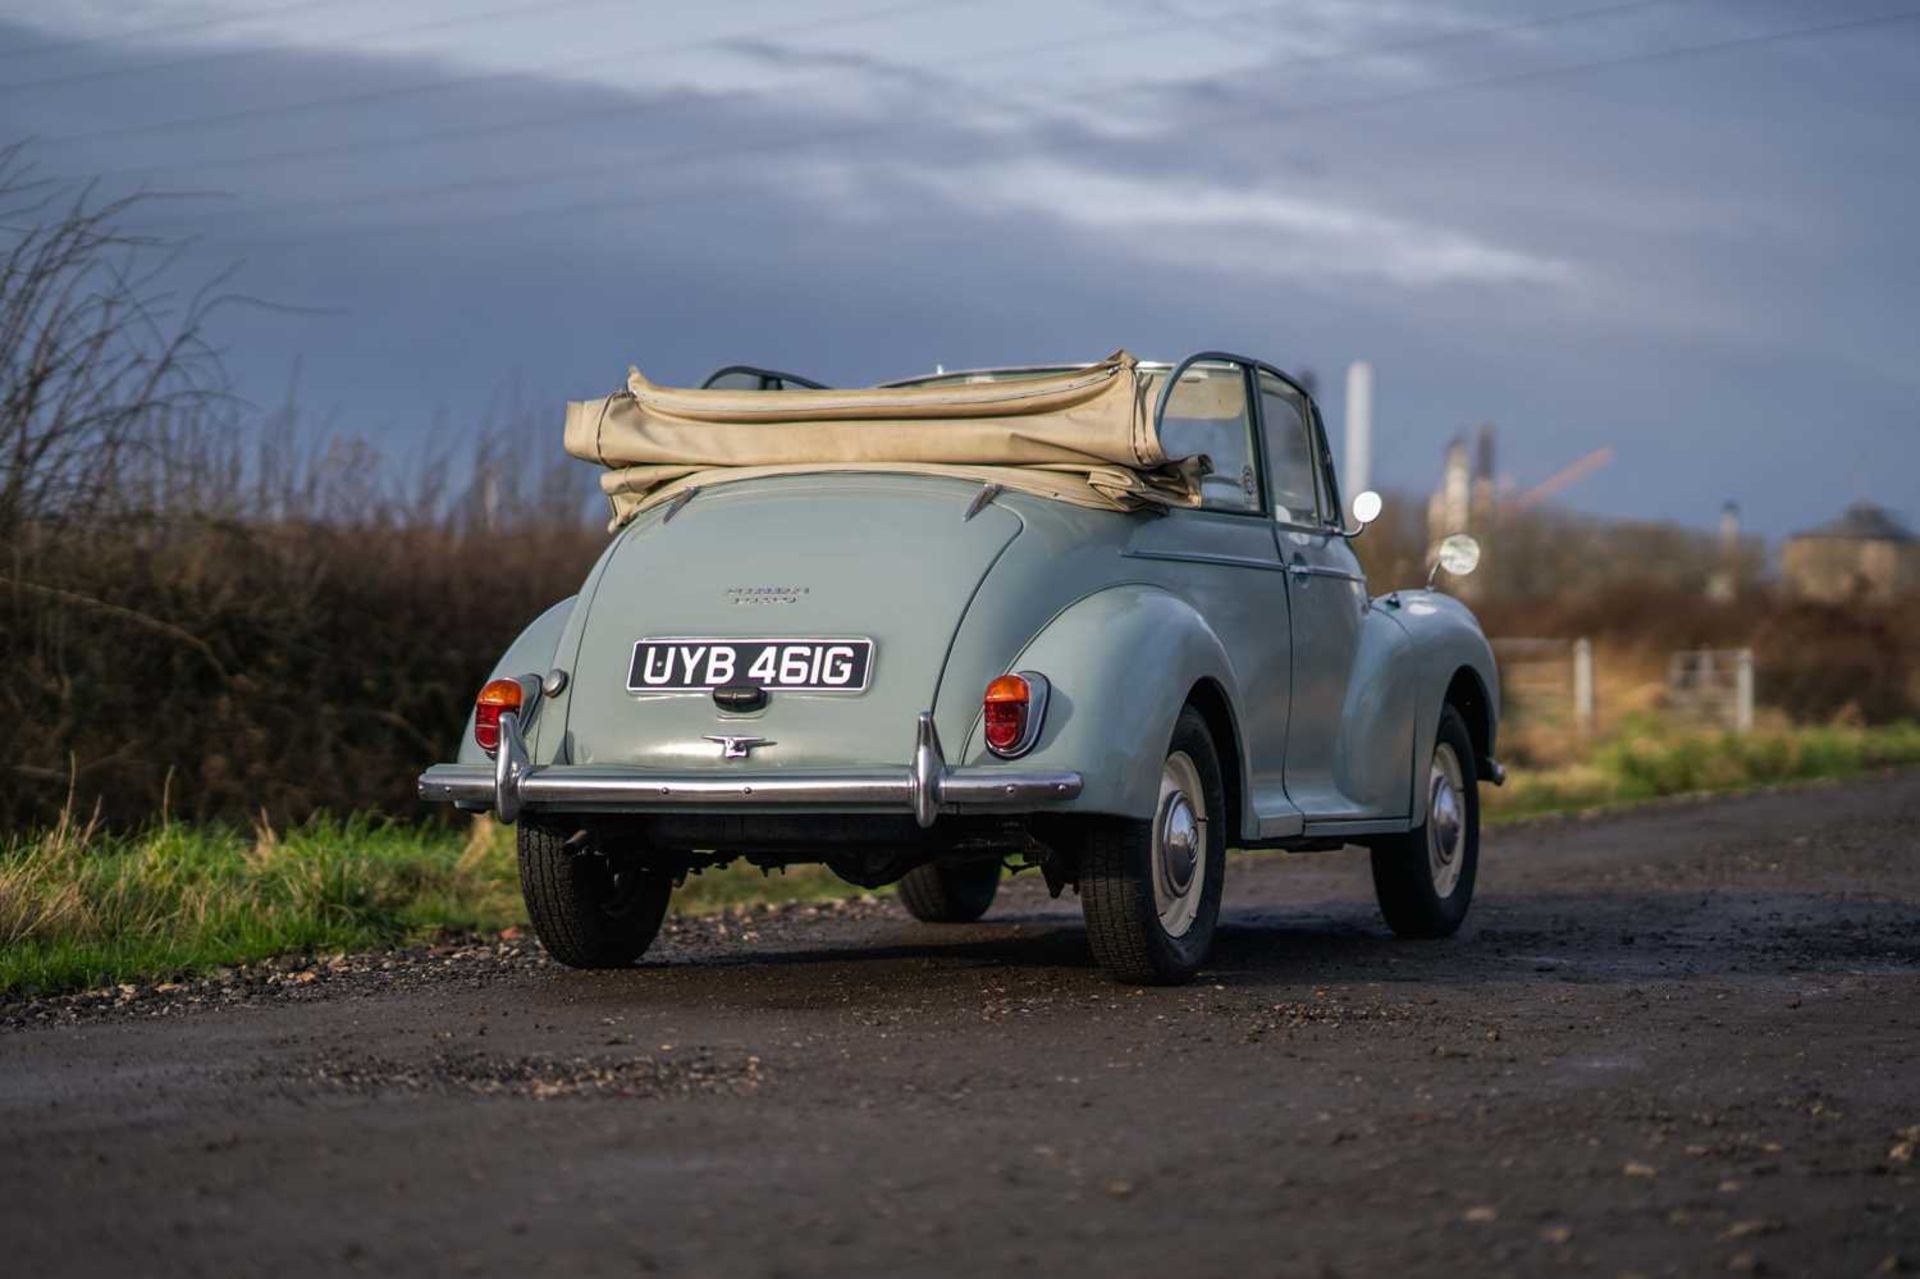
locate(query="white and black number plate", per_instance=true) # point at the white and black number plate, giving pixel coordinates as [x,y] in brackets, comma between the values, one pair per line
[792,665]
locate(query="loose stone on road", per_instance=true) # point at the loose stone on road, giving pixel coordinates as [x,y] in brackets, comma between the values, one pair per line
[1682,1040]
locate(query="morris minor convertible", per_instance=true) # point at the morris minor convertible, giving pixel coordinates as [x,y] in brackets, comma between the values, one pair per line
[1104,622]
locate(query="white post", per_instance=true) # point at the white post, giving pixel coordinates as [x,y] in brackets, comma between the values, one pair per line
[1743,691]
[1583,685]
[1356,475]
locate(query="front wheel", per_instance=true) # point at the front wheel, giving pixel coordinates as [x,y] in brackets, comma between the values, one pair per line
[1150,890]
[590,907]
[1424,878]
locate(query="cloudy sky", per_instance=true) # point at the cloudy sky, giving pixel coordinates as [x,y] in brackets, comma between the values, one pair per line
[1682,229]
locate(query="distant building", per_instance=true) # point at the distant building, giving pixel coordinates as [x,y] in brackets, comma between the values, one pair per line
[1467,501]
[1449,509]
[1866,554]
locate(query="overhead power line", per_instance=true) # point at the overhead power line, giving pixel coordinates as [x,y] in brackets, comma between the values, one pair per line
[574,116]
[1677,54]
[189,27]
[600,170]
[248,115]
[627,202]
[254,51]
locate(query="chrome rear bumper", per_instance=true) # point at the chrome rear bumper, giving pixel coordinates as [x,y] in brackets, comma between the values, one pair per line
[926,787]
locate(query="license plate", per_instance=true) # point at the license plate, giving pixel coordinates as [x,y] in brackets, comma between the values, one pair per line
[792,665]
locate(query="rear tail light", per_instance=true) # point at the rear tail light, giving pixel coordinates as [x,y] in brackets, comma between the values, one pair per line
[1013,710]
[498,696]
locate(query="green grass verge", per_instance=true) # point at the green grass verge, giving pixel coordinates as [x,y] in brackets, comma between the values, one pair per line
[80,908]
[1647,761]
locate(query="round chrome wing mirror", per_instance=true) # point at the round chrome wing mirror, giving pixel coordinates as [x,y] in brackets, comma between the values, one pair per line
[1365,510]
[1459,555]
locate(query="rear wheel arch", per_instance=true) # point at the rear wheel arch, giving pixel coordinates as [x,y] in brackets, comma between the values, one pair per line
[1094,653]
[534,651]
[1214,706]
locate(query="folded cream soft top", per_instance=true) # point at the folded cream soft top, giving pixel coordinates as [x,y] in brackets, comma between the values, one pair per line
[1084,436]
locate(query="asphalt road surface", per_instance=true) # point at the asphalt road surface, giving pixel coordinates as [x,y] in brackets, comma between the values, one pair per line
[1681,1041]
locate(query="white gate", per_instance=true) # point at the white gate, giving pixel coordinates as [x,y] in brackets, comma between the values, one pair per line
[1713,686]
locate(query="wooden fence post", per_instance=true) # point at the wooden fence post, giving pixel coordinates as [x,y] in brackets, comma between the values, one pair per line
[1583,685]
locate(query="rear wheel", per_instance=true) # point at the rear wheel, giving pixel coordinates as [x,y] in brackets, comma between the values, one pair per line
[1150,890]
[935,894]
[1424,879]
[590,907]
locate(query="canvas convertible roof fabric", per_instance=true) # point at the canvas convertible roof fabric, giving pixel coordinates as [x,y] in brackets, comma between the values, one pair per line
[1084,436]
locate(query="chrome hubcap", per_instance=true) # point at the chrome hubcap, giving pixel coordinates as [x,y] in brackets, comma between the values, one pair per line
[1182,836]
[1446,819]
[1179,845]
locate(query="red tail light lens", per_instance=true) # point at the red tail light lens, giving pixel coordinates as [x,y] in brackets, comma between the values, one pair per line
[1009,700]
[498,696]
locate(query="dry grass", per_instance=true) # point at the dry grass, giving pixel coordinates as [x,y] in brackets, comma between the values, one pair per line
[213,608]
[212,667]
[201,619]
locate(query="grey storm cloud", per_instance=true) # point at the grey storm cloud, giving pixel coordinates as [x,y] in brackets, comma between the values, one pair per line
[1691,263]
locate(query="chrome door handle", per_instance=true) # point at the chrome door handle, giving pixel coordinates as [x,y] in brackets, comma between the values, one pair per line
[1300,572]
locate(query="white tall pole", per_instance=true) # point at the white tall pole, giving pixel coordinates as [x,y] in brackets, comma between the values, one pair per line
[1356,475]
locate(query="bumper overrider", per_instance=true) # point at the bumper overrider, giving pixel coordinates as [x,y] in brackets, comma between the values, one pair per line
[925,787]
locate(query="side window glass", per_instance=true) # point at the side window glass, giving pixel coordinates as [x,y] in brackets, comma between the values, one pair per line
[1329,486]
[1294,477]
[1207,413]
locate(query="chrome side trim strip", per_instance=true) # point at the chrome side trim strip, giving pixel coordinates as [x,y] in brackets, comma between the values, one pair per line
[1355,826]
[1321,570]
[1200,557]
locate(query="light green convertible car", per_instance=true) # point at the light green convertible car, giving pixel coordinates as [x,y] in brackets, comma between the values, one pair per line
[1101,621]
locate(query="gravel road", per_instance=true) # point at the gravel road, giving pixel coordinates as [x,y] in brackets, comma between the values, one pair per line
[1680,1041]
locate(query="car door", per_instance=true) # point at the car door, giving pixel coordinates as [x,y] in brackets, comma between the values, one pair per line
[1327,595]
[1225,562]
